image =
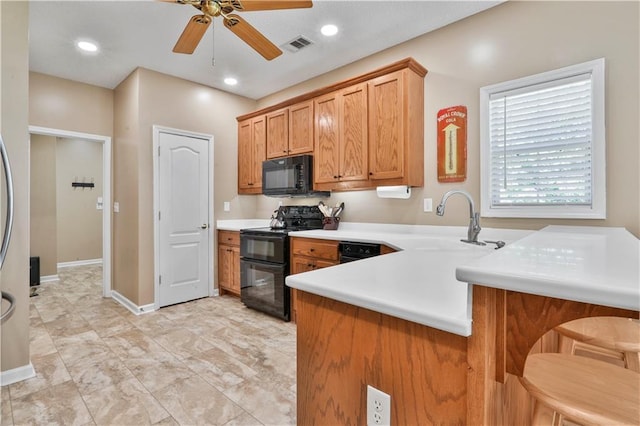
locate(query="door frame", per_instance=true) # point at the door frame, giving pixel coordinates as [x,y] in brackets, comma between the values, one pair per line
[106,192]
[157,129]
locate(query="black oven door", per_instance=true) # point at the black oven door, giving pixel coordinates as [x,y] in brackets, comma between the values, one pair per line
[262,287]
[267,247]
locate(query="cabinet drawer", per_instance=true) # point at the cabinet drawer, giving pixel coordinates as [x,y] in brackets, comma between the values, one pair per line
[231,238]
[319,249]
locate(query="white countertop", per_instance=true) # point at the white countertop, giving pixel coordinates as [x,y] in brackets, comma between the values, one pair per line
[585,264]
[589,264]
[417,284]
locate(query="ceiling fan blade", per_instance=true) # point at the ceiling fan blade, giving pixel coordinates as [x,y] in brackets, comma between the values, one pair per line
[192,34]
[250,5]
[252,37]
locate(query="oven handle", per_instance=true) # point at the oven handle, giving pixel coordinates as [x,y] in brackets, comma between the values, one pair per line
[264,237]
[263,264]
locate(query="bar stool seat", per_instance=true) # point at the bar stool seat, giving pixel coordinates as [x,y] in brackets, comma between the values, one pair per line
[582,389]
[611,337]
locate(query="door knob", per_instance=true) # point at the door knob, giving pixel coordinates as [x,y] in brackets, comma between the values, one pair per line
[204,226]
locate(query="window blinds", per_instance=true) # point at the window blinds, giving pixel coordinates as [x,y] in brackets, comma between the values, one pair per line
[541,143]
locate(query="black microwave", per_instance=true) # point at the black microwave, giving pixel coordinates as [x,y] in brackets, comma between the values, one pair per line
[289,177]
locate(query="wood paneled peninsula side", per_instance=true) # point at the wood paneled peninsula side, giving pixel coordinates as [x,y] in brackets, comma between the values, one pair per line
[448,352]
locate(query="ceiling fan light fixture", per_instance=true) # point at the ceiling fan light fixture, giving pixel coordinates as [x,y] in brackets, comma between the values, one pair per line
[87,46]
[329,30]
[230,81]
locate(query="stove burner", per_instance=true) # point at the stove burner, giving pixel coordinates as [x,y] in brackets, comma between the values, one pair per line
[297,218]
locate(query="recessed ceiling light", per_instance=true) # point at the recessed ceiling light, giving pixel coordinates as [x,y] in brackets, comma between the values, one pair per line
[87,46]
[230,81]
[329,30]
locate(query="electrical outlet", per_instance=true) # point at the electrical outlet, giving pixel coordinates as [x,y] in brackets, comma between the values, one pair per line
[227,206]
[378,407]
[428,205]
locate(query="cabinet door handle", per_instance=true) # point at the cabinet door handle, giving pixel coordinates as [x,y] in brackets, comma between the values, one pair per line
[312,250]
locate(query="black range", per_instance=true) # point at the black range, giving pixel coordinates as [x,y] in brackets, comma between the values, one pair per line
[264,259]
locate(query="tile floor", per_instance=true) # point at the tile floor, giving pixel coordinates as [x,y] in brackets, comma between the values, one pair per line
[210,361]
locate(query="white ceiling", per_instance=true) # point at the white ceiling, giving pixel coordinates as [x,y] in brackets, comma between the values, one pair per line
[142,34]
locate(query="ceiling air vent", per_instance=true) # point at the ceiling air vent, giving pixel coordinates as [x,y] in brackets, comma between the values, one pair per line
[297,44]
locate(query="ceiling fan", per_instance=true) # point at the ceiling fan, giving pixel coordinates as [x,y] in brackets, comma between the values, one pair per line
[198,24]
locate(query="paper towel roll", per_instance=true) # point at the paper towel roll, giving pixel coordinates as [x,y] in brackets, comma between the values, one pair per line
[399,191]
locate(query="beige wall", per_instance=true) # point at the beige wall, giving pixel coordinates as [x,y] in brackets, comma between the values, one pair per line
[125,187]
[68,105]
[14,61]
[79,223]
[43,203]
[148,98]
[512,40]
[65,225]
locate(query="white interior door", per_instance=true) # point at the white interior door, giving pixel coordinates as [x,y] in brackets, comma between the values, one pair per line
[183,218]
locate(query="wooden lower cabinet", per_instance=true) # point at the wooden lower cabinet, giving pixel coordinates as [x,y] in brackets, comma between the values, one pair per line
[229,262]
[308,254]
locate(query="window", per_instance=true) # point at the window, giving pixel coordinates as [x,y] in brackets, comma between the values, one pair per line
[543,145]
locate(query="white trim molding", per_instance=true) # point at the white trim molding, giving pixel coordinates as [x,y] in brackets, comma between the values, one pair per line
[16,375]
[49,278]
[135,309]
[80,263]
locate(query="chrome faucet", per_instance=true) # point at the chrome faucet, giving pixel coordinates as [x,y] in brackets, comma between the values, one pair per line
[474,217]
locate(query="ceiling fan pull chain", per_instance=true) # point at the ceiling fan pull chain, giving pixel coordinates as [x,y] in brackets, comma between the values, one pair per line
[213,45]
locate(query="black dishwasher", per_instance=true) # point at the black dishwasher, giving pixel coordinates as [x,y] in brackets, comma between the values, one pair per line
[351,251]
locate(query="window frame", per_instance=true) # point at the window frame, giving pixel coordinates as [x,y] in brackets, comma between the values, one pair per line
[597,209]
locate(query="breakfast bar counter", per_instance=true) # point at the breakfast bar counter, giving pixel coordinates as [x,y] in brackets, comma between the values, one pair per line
[398,322]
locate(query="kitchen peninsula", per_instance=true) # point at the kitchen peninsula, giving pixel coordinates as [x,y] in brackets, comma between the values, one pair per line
[448,352]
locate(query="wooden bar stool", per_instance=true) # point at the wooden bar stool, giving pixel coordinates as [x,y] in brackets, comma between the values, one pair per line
[584,390]
[606,338]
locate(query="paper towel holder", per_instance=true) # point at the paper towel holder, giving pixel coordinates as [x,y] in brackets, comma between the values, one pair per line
[396,191]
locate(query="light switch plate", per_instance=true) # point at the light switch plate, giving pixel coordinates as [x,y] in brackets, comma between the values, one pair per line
[227,206]
[428,205]
[116,207]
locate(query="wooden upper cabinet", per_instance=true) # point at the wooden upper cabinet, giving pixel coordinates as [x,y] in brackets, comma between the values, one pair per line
[396,129]
[290,130]
[245,155]
[340,148]
[278,133]
[386,118]
[259,149]
[251,154]
[353,125]
[301,128]
[363,132]
[326,159]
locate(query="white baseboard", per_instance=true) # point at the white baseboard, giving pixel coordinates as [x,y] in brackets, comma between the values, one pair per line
[80,263]
[216,292]
[135,309]
[17,375]
[49,278]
